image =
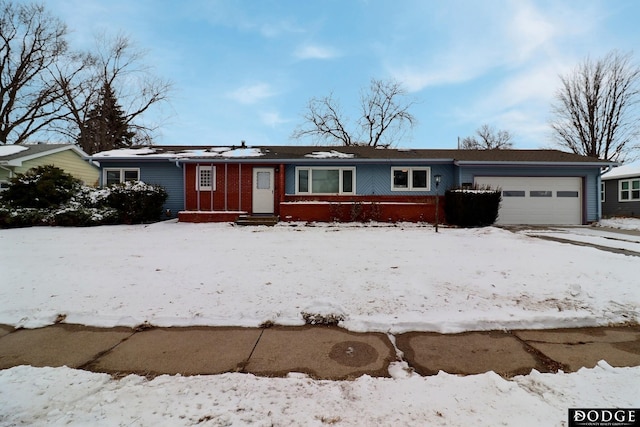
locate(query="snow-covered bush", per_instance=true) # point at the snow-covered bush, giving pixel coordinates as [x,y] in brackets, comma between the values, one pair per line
[136,202]
[49,196]
[42,187]
[476,207]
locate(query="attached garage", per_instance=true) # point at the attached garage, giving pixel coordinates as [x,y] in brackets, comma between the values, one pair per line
[537,200]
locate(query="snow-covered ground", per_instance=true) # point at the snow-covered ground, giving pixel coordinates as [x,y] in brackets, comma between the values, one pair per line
[626,237]
[379,277]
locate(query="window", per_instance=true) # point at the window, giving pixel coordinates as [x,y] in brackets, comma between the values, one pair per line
[118,176]
[513,193]
[325,180]
[540,193]
[410,179]
[602,191]
[629,190]
[206,178]
[4,185]
[566,194]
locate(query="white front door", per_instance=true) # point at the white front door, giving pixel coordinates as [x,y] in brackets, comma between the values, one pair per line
[263,190]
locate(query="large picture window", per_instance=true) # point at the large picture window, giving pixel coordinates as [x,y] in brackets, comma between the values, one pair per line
[629,190]
[410,179]
[119,175]
[206,178]
[325,180]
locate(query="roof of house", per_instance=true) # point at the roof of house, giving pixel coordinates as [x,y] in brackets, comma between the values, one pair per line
[290,153]
[18,153]
[630,170]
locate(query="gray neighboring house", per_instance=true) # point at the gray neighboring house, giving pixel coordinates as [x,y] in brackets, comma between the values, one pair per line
[620,191]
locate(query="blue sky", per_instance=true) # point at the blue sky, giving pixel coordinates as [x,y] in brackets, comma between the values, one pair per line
[245,70]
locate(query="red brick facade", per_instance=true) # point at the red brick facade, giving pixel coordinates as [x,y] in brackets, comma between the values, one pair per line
[232,197]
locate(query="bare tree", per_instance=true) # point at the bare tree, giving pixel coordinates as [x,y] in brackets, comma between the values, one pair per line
[488,138]
[31,42]
[384,117]
[596,107]
[117,65]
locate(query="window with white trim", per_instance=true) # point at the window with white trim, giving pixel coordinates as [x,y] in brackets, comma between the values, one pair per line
[629,190]
[325,180]
[410,179]
[602,192]
[119,175]
[206,178]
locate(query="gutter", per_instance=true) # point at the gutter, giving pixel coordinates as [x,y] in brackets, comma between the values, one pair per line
[529,163]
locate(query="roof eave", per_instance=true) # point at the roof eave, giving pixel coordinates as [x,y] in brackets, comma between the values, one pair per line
[530,163]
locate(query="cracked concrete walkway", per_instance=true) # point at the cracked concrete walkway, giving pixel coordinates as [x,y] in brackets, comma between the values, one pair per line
[320,351]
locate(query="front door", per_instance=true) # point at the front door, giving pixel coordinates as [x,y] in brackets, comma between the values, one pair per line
[263,191]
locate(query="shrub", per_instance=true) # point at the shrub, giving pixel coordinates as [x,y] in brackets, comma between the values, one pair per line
[42,187]
[47,195]
[472,208]
[136,202]
[21,217]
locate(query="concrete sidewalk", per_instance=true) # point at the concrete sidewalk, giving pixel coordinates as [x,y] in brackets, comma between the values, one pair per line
[320,351]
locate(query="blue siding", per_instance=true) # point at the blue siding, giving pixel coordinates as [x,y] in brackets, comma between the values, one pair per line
[590,175]
[375,179]
[163,173]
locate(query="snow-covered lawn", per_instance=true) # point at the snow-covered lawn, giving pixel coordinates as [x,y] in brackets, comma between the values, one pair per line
[380,278]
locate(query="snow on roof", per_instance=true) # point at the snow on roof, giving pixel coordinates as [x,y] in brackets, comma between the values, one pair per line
[7,150]
[333,154]
[242,152]
[625,171]
[164,153]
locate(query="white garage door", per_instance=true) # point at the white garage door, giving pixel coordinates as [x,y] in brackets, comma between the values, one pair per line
[528,200]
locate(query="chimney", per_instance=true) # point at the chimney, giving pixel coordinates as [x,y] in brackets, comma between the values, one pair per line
[243,144]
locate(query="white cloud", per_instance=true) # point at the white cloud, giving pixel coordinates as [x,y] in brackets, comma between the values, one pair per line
[497,37]
[272,118]
[315,52]
[251,94]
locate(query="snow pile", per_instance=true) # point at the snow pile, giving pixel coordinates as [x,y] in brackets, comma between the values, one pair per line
[63,396]
[621,223]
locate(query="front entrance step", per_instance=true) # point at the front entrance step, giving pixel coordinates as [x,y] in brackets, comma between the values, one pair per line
[269,220]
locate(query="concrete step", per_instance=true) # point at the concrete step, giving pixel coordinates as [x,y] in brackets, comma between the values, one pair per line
[268,220]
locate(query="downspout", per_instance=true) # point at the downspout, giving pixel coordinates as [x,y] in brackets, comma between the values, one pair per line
[599,191]
[226,187]
[239,187]
[213,184]
[8,170]
[198,185]
[184,186]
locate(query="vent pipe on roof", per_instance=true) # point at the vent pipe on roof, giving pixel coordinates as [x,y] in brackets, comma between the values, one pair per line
[243,144]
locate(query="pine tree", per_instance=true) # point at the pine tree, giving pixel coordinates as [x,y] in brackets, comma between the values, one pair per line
[106,127]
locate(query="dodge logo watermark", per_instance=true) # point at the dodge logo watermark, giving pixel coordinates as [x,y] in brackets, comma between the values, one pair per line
[598,417]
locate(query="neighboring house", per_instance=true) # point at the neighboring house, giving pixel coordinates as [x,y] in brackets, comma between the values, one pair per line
[620,191]
[303,183]
[19,158]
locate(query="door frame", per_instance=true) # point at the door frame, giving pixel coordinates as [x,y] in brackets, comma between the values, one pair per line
[263,200]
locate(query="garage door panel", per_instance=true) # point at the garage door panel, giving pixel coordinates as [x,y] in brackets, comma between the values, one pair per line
[537,200]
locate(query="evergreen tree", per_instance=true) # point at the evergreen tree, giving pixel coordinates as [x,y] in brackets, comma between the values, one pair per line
[106,126]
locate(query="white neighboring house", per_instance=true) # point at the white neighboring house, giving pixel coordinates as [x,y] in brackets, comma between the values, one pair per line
[16,159]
